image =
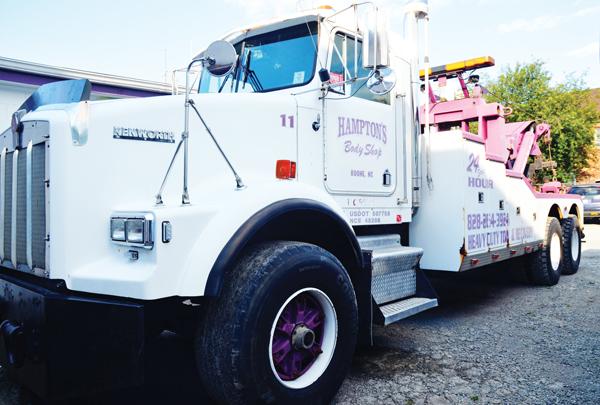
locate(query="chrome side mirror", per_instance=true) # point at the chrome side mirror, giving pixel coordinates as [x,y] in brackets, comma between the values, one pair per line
[376,53]
[382,81]
[219,58]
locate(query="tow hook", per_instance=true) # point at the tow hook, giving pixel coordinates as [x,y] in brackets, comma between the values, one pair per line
[14,342]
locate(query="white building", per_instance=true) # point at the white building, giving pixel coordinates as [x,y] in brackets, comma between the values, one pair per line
[18,79]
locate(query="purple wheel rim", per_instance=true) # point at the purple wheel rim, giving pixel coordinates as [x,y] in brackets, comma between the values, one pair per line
[298,338]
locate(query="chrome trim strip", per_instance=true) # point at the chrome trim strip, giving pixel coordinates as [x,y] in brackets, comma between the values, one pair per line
[2,191]
[405,157]
[47,204]
[28,212]
[13,233]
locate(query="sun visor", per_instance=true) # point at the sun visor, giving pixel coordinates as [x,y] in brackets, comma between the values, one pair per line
[62,92]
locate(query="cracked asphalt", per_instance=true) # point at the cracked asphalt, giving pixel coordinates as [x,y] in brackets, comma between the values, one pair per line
[493,339]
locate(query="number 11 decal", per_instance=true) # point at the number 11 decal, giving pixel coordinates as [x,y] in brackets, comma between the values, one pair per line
[287,119]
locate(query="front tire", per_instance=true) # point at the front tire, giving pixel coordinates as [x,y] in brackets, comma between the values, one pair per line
[571,244]
[283,330]
[545,265]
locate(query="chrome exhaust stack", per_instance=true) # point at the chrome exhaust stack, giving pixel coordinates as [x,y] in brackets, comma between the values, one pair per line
[413,12]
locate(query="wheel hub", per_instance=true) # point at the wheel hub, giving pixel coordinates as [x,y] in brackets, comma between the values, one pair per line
[298,337]
[303,337]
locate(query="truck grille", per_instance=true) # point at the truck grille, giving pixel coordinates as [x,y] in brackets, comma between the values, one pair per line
[24,198]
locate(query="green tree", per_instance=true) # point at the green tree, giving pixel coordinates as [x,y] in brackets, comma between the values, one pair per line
[568,107]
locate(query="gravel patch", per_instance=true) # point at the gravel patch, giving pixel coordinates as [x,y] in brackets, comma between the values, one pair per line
[493,340]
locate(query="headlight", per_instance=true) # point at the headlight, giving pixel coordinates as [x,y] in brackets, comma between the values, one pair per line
[132,229]
[117,229]
[135,230]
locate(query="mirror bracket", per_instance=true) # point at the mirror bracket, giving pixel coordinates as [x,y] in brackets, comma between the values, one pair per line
[218,59]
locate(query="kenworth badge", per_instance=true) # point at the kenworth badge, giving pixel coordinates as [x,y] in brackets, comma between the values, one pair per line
[140,134]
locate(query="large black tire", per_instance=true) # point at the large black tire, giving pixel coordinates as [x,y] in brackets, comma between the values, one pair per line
[571,231]
[233,343]
[545,265]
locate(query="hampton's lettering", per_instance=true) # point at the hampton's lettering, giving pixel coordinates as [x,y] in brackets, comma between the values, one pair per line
[355,126]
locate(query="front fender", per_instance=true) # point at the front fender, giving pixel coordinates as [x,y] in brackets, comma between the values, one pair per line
[237,219]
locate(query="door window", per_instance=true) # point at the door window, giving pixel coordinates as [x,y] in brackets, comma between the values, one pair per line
[346,63]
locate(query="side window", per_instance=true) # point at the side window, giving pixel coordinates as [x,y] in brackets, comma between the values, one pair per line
[337,70]
[346,63]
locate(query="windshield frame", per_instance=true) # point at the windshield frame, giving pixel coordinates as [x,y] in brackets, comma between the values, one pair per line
[312,28]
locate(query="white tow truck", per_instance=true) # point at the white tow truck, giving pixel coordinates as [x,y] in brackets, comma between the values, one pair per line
[316,182]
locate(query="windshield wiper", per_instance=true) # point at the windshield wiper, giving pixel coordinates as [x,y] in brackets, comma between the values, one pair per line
[225,81]
[233,73]
[247,68]
[251,75]
[248,75]
[255,82]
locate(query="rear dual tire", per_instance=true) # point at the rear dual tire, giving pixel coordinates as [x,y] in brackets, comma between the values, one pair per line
[559,254]
[545,265]
[283,330]
[572,232]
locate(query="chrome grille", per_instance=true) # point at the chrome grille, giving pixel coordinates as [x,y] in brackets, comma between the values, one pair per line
[38,206]
[6,178]
[21,237]
[24,198]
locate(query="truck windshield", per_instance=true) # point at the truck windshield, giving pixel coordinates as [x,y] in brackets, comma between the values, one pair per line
[272,61]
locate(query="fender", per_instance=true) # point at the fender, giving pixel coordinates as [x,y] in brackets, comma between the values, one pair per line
[267,224]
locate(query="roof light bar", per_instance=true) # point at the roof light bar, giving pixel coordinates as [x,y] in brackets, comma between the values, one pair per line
[455,68]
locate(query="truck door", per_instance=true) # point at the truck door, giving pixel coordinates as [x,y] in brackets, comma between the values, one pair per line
[360,133]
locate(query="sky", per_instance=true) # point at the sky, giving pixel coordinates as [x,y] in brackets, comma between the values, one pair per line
[147,39]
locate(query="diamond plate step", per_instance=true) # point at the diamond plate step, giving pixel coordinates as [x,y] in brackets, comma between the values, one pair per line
[393,273]
[398,310]
[398,287]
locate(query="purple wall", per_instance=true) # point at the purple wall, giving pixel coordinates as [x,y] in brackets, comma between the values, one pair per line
[38,80]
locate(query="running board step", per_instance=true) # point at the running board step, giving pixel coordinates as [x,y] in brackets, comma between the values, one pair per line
[399,287]
[393,267]
[395,311]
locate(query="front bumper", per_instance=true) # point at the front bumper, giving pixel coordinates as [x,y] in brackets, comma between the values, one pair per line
[61,344]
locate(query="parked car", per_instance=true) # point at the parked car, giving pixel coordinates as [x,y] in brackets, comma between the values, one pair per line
[591,200]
